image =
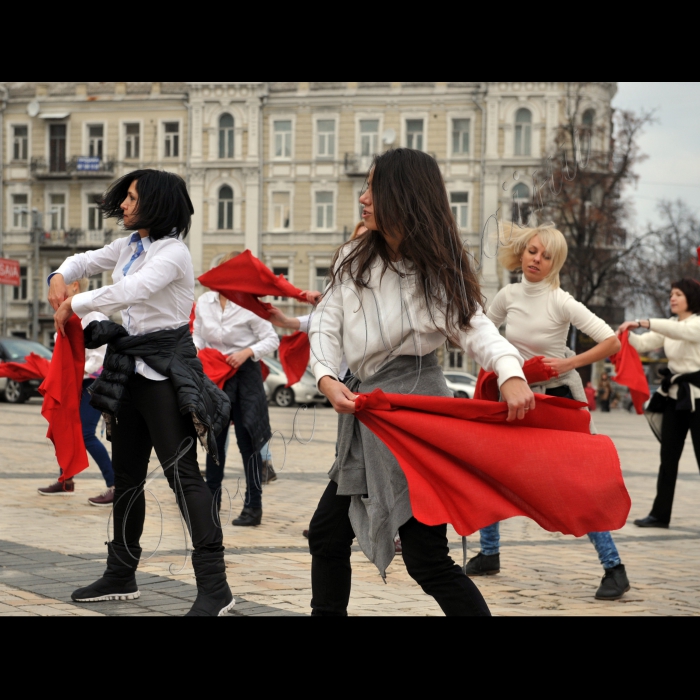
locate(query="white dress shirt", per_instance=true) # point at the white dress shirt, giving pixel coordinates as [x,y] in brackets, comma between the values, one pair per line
[94,359]
[157,293]
[231,329]
[374,324]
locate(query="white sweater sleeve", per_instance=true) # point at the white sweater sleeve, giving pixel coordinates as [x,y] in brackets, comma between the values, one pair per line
[683,330]
[268,340]
[646,342]
[304,323]
[585,320]
[326,335]
[498,309]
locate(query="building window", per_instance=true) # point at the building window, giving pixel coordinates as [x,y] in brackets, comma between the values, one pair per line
[369,137]
[280,210]
[94,214]
[226,125]
[523,132]
[96,133]
[414,134]
[225,208]
[57,212]
[20,211]
[20,141]
[94,283]
[326,138]
[588,118]
[521,203]
[19,293]
[460,208]
[132,140]
[455,359]
[322,278]
[324,210]
[283,139]
[57,148]
[172,139]
[460,136]
[281,271]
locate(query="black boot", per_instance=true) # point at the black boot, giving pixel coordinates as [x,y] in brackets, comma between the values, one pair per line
[267,472]
[614,584]
[248,517]
[118,581]
[483,565]
[214,597]
[650,521]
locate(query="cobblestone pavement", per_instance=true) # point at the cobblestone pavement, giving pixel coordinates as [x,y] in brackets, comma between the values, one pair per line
[50,546]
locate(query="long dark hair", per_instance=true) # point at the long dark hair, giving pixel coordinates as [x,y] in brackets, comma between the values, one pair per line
[410,199]
[164,204]
[691,289]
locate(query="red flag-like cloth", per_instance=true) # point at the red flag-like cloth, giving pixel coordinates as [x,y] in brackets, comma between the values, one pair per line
[467,466]
[630,373]
[244,279]
[294,353]
[33,367]
[534,369]
[218,370]
[61,390]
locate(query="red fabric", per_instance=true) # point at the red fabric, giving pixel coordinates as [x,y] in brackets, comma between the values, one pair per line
[590,396]
[244,279]
[467,466]
[218,370]
[294,353]
[33,367]
[194,306]
[61,390]
[535,372]
[630,373]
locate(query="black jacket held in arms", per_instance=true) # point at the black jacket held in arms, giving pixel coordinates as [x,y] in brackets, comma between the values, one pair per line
[172,354]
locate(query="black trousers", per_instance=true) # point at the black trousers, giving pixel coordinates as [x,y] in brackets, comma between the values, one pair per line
[673,433]
[425,553]
[149,417]
[250,456]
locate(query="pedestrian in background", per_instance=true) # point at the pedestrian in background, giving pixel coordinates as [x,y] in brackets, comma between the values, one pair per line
[604,392]
[678,396]
[590,396]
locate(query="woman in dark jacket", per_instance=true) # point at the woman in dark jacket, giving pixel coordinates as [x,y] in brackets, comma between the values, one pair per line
[162,401]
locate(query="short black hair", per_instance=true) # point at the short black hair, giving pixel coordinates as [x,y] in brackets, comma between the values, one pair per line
[164,204]
[691,289]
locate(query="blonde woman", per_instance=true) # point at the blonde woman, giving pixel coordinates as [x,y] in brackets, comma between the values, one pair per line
[538,315]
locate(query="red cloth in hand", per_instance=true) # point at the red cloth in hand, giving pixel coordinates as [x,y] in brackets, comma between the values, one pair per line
[630,373]
[467,466]
[534,369]
[61,390]
[294,353]
[218,370]
[194,306]
[590,396]
[244,279]
[33,367]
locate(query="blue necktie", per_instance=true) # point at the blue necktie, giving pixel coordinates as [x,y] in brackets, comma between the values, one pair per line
[135,238]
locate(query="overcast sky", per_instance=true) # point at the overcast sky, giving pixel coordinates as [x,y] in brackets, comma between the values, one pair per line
[672,170]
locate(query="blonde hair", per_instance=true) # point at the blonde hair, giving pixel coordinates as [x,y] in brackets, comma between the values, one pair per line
[514,239]
[228,256]
[83,284]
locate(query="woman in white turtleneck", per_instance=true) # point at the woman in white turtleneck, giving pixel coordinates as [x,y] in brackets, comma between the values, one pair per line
[538,315]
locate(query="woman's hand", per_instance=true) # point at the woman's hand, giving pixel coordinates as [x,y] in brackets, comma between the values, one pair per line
[627,326]
[58,291]
[312,297]
[238,358]
[63,313]
[519,397]
[560,365]
[342,399]
[277,318]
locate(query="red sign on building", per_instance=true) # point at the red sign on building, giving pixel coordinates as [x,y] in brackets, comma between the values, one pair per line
[9,272]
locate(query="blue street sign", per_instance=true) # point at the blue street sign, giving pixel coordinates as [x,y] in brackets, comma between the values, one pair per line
[88,163]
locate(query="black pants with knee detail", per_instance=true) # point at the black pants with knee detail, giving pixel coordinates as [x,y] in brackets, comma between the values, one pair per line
[148,418]
[425,553]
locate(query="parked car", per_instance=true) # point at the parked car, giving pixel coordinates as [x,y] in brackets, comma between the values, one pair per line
[304,391]
[462,384]
[15,350]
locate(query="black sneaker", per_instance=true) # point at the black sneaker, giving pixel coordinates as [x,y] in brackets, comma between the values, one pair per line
[483,565]
[249,517]
[614,584]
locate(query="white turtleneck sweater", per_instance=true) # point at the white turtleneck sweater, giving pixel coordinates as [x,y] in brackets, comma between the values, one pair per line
[538,316]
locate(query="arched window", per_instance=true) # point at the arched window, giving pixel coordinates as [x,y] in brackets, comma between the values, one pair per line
[225,208]
[588,118]
[226,136]
[521,203]
[523,132]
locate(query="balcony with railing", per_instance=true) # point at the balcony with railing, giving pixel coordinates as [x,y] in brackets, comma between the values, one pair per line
[75,238]
[89,167]
[356,165]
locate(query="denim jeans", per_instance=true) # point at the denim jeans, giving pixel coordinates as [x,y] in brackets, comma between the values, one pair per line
[265,453]
[602,541]
[90,417]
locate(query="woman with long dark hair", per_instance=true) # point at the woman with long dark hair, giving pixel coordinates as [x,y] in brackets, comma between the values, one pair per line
[679,392]
[397,293]
[152,390]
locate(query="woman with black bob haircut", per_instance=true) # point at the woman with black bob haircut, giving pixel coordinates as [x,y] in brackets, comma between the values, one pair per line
[152,391]
[678,398]
[396,294]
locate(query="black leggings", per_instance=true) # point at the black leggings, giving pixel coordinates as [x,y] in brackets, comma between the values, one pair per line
[425,553]
[148,418]
[673,433]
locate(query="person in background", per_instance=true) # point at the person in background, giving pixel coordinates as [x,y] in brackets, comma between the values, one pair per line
[604,392]
[679,394]
[89,416]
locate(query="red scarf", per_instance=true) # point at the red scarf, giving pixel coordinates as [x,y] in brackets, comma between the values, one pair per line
[33,367]
[630,373]
[61,390]
[218,370]
[467,466]
[294,353]
[535,372]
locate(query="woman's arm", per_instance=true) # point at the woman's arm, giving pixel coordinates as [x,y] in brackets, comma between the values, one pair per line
[498,309]
[677,330]
[599,352]
[279,319]
[268,340]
